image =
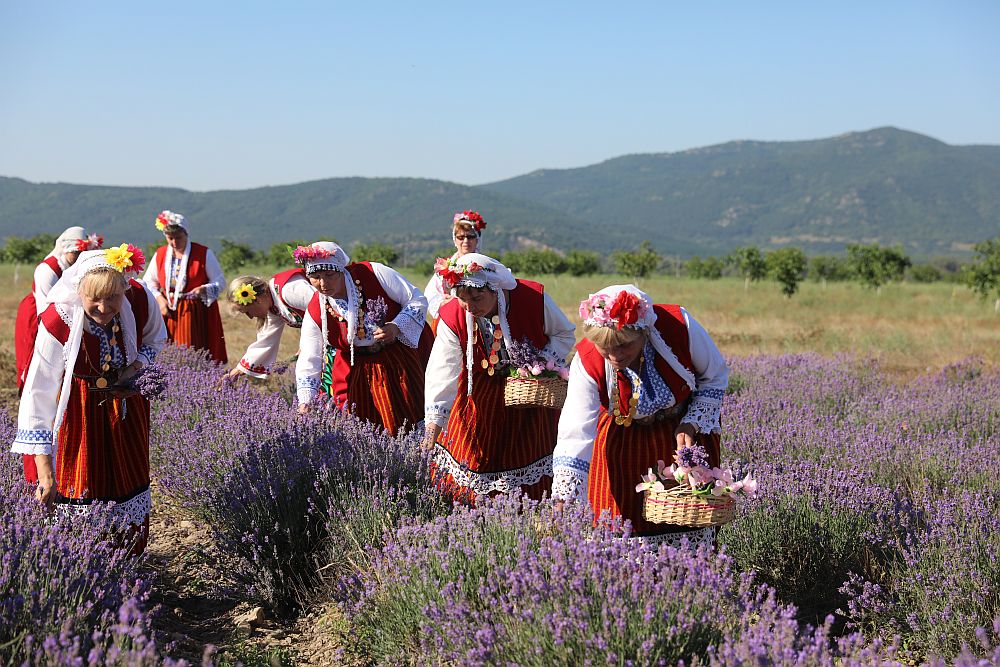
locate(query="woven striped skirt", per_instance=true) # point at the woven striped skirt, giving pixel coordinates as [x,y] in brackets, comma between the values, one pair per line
[197,326]
[489,448]
[387,387]
[624,454]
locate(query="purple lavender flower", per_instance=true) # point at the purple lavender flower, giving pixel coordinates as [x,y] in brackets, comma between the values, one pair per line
[376,311]
[693,457]
[150,381]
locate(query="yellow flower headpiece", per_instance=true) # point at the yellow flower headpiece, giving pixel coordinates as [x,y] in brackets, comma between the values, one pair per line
[124,258]
[245,295]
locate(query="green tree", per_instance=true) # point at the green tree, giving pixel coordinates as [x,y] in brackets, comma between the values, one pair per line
[983,275]
[788,267]
[874,265]
[637,263]
[583,262]
[924,273]
[750,264]
[375,251]
[280,255]
[827,267]
[709,268]
[32,250]
[534,262]
[235,255]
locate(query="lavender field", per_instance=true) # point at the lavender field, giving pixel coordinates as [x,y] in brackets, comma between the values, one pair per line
[873,540]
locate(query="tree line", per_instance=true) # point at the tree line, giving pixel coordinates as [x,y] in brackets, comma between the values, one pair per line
[871,265]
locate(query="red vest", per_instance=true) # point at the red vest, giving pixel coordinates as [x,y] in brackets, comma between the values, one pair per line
[369,286]
[525,315]
[197,274]
[136,295]
[282,279]
[53,264]
[673,329]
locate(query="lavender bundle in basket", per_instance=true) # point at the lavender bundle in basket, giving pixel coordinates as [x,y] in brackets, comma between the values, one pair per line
[527,362]
[150,381]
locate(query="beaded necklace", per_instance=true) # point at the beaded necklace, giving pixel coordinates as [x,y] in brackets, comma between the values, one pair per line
[625,415]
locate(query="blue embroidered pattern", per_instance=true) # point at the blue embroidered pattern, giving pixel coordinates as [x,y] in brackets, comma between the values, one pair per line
[148,352]
[571,462]
[655,394]
[33,436]
[411,324]
[714,394]
[117,358]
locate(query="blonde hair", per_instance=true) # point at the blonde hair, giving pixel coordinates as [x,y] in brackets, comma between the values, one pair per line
[611,337]
[259,286]
[102,283]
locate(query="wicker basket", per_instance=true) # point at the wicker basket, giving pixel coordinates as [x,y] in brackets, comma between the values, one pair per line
[678,507]
[538,392]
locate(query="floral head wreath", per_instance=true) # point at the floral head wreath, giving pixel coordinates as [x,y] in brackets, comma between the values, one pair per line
[624,310]
[92,242]
[169,219]
[471,217]
[125,258]
[453,273]
[245,295]
[308,253]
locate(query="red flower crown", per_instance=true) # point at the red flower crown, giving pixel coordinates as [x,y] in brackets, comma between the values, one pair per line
[472,217]
[452,273]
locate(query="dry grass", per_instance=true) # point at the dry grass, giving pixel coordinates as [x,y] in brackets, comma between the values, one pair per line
[909,328]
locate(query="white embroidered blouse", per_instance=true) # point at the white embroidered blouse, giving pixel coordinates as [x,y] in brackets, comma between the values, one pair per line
[173,267]
[261,355]
[578,421]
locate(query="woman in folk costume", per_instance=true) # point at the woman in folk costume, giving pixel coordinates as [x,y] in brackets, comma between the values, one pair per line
[376,321]
[466,232]
[68,247]
[187,279]
[482,446]
[647,380]
[87,435]
[276,303]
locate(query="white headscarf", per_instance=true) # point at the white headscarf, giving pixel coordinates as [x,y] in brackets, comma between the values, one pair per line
[594,311]
[479,270]
[66,242]
[65,294]
[334,259]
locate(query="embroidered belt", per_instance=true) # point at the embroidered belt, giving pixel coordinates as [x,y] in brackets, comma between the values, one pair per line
[105,381]
[666,414]
[369,350]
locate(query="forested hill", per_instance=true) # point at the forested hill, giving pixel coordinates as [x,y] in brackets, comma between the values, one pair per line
[416,212]
[884,185]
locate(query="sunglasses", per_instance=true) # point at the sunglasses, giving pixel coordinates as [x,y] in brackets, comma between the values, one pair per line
[466,237]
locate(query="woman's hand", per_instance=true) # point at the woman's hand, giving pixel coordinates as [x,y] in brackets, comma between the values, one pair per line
[685,436]
[431,433]
[162,303]
[304,408]
[387,333]
[45,492]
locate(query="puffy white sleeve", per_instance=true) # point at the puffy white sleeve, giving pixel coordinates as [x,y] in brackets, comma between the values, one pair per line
[154,333]
[413,314]
[216,280]
[152,277]
[560,330]
[309,367]
[711,379]
[45,279]
[297,293]
[441,377]
[40,398]
[263,352]
[435,296]
[577,430]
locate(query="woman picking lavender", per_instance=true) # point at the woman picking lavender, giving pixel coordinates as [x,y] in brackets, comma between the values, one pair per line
[376,321]
[466,232]
[87,430]
[647,381]
[481,445]
[276,304]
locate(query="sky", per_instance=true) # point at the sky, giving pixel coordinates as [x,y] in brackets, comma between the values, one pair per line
[231,95]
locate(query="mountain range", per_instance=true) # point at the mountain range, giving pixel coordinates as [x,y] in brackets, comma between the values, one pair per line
[885,185]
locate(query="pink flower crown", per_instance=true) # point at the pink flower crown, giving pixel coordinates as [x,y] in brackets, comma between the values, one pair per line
[92,242]
[471,217]
[625,310]
[452,273]
[307,253]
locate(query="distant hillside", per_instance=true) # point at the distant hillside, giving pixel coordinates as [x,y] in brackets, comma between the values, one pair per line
[396,210]
[885,185]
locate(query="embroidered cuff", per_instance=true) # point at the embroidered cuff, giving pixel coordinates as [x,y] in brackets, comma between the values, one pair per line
[210,294]
[306,388]
[569,477]
[704,411]
[410,321]
[32,441]
[437,413]
[148,354]
[253,370]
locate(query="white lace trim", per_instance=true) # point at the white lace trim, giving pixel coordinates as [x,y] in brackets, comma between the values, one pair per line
[437,413]
[410,321]
[568,484]
[695,538]
[65,314]
[482,483]
[133,511]
[704,414]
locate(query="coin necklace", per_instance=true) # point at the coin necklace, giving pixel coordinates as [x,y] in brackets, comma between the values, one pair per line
[494,356]
[102,382]
[624,416]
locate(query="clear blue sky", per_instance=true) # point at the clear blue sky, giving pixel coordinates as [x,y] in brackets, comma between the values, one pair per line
[210,95]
